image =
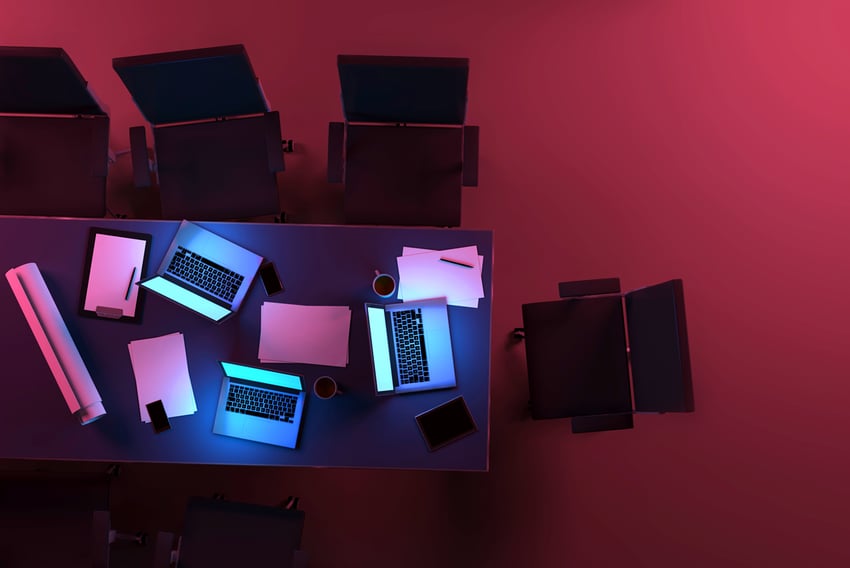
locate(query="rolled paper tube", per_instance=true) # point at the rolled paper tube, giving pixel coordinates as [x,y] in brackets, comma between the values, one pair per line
[56,343]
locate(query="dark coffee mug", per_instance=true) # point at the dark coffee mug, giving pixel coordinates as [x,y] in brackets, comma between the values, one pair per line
[383,284]
[325,388]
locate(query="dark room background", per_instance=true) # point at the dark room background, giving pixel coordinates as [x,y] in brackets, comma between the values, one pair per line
[646,139]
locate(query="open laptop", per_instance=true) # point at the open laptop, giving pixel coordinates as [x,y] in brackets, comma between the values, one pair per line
[411,346]
[258,404]
[204,272]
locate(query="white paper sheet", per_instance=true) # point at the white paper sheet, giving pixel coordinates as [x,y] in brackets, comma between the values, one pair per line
[162,373]
[422,275]
[116,266]
[466,303]
[291,333]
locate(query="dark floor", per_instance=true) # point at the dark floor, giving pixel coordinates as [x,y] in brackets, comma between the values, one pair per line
[647,140]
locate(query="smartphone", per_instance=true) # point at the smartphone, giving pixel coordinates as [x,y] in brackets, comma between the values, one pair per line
[446,423]
[159,418]
[271,281]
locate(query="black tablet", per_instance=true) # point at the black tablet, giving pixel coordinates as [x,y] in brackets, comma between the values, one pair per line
[446,423]
[115,262]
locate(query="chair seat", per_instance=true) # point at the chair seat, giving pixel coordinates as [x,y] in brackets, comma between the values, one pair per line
[403,175]
[223,533]
[217,170]
[53,166]
[576,357]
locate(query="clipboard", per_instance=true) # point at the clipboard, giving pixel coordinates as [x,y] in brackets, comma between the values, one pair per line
[115,262]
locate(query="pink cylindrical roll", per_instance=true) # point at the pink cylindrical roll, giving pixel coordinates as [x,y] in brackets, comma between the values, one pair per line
[56,343]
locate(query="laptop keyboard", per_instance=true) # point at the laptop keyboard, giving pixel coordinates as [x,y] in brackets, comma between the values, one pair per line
[410,347]
[205,274]
[262,403]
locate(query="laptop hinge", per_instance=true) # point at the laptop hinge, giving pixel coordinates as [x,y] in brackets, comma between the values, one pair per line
[391,344]
[195,290]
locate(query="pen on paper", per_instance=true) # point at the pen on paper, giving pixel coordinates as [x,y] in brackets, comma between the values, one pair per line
[130,284]
[456,262]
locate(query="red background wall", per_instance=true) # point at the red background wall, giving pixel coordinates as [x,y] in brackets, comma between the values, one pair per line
[647,139]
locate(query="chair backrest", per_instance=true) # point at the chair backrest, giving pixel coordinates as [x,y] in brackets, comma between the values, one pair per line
[224,533]
[55,161]
[658,344]
[412,90]
[43,81]
[192,85]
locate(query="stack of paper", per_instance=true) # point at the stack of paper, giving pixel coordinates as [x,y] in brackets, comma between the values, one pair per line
[291,333]
[453,273]
[162,373]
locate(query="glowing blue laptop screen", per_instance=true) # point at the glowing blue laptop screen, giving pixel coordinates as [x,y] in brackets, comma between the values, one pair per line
[247,373]
[380,349]
[186,298]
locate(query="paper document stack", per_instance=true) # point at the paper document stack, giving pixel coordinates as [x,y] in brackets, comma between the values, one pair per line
[453,273]
[162,373]
[291,333]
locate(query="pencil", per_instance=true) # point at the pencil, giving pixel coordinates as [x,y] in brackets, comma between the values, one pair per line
[457,262]
[130,285]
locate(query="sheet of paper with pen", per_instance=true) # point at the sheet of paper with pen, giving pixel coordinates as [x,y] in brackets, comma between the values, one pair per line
[115,268]
[425,273]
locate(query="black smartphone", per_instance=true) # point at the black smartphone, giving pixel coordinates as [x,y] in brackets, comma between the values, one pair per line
[271,281]
[159,418]
[446,423]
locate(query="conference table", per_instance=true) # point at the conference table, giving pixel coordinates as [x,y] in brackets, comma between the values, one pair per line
[318,265]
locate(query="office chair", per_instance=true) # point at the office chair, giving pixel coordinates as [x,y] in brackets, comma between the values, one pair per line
[58,519]
[579,355]
[217,146]
[217,532]
[403,151]
[54,137]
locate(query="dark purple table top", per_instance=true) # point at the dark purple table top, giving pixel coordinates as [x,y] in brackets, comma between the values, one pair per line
[319,265]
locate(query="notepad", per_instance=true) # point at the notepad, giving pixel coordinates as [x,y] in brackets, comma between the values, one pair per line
[162,373]
[423,274]
[292,333]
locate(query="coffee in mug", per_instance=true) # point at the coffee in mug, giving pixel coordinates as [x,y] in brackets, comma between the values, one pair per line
[325,388]
[383,284]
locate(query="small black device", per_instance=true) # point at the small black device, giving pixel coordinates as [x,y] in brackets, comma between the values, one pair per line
[271,281]
[159,418]
[446,423]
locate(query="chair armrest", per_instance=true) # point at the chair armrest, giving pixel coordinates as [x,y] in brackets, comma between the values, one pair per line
[594,287]
[139,157]
[470,156]
[274,142]
[336,157]
[162,550]
[100,539]
[299,559]
[601,423]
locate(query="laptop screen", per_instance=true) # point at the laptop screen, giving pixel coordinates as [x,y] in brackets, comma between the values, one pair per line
[186,298]
[248,373]
[380,348]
